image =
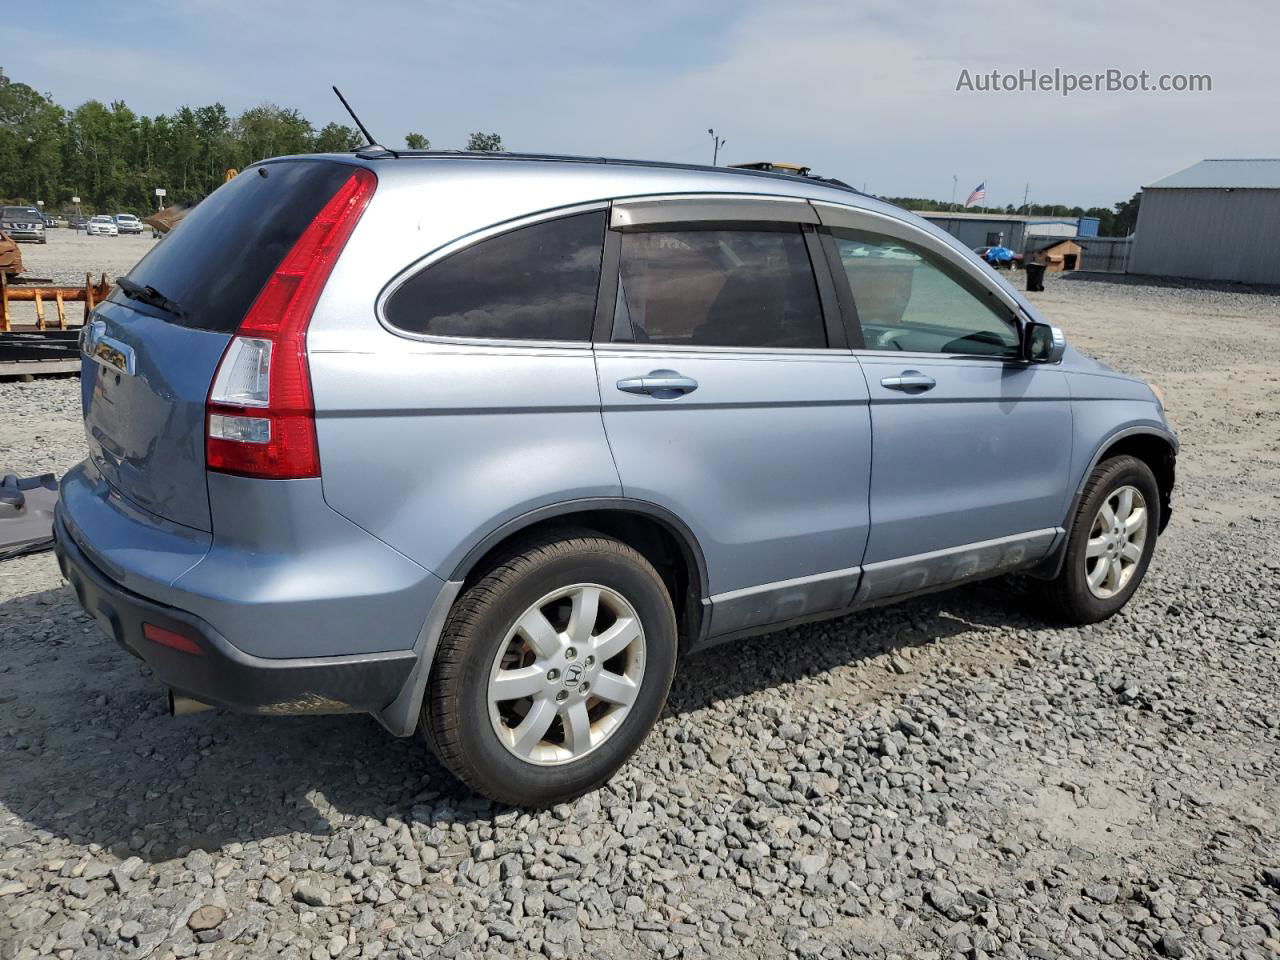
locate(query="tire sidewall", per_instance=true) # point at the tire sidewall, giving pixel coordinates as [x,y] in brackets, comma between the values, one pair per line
[640,585]
[1112,474]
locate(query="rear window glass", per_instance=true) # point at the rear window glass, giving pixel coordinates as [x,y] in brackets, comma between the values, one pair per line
[714,287]
[534,283]
[214,263]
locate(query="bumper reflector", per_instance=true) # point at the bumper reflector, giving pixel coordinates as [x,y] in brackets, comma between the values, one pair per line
[170,639]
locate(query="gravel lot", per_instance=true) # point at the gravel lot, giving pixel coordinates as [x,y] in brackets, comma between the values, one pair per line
[948,778]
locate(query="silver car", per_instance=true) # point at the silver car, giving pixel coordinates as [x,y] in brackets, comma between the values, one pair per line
[23,223]
[484,444]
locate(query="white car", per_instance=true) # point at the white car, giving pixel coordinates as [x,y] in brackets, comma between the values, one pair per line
[102,226]
[128,223]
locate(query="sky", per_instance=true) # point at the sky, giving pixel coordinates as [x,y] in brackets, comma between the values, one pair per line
[863,91]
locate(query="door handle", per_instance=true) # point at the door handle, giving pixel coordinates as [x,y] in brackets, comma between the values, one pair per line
[662,384]
[911,381]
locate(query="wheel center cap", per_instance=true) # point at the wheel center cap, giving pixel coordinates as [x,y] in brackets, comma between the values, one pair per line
[573,675]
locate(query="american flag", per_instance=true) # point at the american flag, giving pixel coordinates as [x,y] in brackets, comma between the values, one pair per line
[979,194]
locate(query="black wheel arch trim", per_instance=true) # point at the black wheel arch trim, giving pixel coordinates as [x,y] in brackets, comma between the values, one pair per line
[1052,564]
[567,508]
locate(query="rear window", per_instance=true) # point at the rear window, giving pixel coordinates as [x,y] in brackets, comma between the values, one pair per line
[214,263]
[535,283]
[718,287]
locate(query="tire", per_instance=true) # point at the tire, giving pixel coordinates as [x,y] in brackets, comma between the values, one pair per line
[1069,596]
[477,737]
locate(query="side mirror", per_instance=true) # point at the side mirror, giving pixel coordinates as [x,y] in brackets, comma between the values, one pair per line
[1042,343]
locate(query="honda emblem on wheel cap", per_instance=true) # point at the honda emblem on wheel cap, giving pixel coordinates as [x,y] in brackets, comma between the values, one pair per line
[573,675]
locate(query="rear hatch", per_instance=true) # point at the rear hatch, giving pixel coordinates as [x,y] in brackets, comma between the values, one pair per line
[146,380]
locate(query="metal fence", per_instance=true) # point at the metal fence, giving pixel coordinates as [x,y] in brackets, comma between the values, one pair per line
[1105,254]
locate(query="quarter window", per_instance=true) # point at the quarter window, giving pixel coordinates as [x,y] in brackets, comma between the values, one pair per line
[534,283]
[718,287]
[909,299]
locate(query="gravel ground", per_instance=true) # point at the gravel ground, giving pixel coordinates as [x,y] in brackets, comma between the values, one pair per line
[948,778]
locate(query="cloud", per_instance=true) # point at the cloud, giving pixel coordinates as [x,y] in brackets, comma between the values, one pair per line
[864,92]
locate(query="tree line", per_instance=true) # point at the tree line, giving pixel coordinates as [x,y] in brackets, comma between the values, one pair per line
[114,159]
[1117,221]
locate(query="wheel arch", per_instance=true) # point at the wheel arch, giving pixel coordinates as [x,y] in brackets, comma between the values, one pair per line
[657,533]
[1157,448]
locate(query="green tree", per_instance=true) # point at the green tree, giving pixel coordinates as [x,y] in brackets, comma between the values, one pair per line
[416,141]
[1126,219]
[31,149]
[271,131]
[485,142]
[335,138]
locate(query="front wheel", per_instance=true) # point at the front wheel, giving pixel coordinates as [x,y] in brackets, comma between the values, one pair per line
[552,669]
[1111,542]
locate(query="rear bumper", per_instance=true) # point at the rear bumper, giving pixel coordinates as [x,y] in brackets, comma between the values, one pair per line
[220,673]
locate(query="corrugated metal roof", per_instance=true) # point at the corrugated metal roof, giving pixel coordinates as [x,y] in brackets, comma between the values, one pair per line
[1225,174]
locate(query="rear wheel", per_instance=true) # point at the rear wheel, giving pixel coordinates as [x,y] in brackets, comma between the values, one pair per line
[1112,538]
[552,669]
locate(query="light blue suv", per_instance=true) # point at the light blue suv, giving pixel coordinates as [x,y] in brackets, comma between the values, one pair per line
[481,444]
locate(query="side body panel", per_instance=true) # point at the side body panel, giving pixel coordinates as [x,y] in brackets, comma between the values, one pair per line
[429,446]
[767,462]
[982,456]
[1107,407]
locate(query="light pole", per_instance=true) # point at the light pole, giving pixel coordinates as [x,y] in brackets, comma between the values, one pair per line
[954,178]
[718,143]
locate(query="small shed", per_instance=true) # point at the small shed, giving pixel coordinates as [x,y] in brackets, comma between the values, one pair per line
[1056,253]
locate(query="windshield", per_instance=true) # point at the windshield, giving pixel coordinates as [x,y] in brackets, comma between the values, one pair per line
[125,216]
[19,213]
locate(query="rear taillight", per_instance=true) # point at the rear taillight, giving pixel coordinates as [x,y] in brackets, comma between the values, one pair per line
[260,415]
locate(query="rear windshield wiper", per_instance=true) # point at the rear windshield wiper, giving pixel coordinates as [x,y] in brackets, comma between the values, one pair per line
[149,295]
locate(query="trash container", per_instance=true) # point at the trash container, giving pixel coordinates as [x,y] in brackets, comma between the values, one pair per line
[1035,275]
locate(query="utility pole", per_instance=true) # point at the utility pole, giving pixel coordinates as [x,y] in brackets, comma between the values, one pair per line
[1025,192]
[718,143]
[954,180]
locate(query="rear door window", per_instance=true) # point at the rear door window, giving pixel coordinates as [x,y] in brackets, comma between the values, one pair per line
[718,287]
[217,259]
[537,282]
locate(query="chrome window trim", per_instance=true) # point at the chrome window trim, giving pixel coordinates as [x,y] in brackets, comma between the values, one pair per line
[603,347]
[674,209]
[462,243]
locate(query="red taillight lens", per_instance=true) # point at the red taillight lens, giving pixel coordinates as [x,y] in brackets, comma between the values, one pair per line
[171,639]
[260,419]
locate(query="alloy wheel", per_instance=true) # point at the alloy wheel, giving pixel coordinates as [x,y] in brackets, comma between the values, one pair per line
[567,674]
[1116,541]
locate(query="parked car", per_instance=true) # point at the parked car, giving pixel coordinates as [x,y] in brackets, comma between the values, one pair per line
[76,222]
[23,223]
[1000,257]
[101,226]
[481,445]
[128,223]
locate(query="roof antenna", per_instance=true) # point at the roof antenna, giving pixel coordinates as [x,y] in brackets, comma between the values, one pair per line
[363,129]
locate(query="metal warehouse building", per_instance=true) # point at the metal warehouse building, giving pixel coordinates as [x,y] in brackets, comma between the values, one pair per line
[1217,220]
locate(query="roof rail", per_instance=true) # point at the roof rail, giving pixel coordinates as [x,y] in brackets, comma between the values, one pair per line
[370,154]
